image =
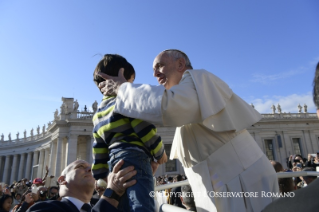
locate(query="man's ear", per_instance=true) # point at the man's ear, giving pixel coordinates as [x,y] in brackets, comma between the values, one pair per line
[61,180]
[181,64]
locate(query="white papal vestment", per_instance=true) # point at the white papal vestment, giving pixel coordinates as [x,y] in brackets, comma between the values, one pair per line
[211,140]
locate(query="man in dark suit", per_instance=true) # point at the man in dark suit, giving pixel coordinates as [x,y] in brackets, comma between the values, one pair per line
[77,185]
[176,194]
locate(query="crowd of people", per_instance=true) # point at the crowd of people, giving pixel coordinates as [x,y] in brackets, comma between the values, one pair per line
[296,163]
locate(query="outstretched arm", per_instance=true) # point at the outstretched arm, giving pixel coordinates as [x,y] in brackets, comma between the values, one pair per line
[174,107]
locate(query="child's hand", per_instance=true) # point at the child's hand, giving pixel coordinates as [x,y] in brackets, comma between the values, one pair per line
[154,166]
[163,159]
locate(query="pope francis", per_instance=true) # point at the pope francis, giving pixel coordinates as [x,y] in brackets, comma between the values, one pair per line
[225,166]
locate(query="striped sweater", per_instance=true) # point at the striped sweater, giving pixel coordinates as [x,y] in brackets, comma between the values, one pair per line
[113,130]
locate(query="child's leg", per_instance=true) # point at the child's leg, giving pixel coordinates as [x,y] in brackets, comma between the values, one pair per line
[137,196]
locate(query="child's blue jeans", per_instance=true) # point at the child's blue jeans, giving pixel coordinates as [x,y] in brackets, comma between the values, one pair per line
[137,197]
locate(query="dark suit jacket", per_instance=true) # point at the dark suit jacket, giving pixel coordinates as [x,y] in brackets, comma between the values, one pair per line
[67,206]
[175,197]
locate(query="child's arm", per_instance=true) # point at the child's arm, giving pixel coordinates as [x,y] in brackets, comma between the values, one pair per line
[100,150]
[147,133]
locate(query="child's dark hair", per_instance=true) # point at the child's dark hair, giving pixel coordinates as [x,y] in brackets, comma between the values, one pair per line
[110,65]
[3,198]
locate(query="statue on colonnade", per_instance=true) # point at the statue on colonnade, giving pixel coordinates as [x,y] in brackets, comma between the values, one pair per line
[38,129]
[2,137]
[305,108]
[273,109]
[75,105]
[94,106]
[18,136]
[299,108]
[279,108]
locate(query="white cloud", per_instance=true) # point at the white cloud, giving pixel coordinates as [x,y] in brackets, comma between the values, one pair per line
[287,103]
[266,79]
[261,78]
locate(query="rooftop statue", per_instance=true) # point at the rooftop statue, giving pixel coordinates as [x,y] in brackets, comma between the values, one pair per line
[279,108]
[305,108]
[94,106]
[273,109]
[75,105]
[299,108]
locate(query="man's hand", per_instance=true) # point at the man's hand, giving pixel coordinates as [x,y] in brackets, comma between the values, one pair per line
[111,84]
[163,159]
[117,179]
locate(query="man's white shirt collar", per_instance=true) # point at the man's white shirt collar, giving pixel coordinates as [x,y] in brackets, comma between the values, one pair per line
[78,203]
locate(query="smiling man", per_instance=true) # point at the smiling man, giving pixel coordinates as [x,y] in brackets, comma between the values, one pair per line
[211,140]
[77,185]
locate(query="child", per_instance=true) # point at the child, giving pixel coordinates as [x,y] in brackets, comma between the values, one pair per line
[118,137]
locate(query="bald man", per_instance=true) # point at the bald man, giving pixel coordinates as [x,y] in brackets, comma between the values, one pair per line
[77,185]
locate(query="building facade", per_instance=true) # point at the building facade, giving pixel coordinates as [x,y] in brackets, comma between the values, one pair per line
[69,137]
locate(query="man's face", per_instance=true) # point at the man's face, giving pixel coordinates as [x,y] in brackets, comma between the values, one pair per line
[79,174]
[165,70]
[53,192]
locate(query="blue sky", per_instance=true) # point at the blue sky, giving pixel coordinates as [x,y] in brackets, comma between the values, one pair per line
[265,50]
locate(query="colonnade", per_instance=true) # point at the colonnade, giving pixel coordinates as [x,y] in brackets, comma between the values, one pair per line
[59,152]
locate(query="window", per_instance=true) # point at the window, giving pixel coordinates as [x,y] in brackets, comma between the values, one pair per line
[296,146]
[171,165]
[269,149]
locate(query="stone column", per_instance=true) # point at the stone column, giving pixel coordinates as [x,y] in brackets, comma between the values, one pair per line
[1,172]
[64,151]
[41,161]
[46,160]
[52,158]
[28,166]
[14,169]
[89,147]
[72,148]
[58,157]
[6,170]
[35,158]
[21,167]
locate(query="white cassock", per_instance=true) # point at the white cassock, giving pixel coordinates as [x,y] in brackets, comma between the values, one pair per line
[211,140]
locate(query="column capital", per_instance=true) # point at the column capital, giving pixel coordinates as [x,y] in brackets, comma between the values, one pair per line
[72,136]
